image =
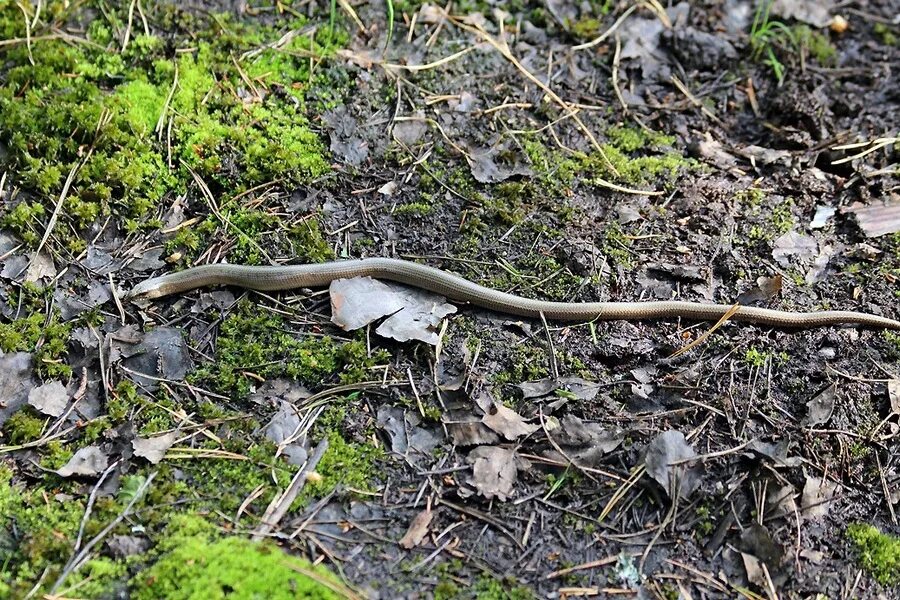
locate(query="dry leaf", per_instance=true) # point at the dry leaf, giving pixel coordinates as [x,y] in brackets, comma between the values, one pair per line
[508,422]
[89,460]
[663,452]
[50,399]
[494,471]
[154,449]
[418,529]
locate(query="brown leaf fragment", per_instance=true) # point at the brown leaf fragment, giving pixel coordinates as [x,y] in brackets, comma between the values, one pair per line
[471,433]
[49,399]
[154,448]
[508,422]
[766,288]
[418,529]
[585,443]
[820,408]
[494,471]
[777,453]
[89,460]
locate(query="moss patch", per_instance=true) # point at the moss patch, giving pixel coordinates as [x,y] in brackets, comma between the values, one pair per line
[878,553]
[45,528]
[194,564]
[253,341]
[46,337]
[230,110]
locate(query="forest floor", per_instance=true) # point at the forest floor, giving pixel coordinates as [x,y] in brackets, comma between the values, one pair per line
[717,152]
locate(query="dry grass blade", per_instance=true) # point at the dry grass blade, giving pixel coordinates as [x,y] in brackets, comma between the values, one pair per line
[731,312]
[608,32]
[431,65]
[621,491]
[873,146]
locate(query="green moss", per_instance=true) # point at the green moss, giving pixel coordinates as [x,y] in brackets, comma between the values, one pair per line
[630,139]
[148,415]
[75,97]
[25,220]
[45,528]
[586,29]
[554,171]
[616,245]
[46,338]
[878,553]
[886,34]
[253,340]
[753,197]
[525,363]
[23,426]
[346,464]
[894,340]
[256,234]
[414,209]
[491,588]
[816,44]
[640,170]
[194,564]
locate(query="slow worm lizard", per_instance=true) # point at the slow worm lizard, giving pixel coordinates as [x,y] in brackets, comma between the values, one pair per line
[454,287]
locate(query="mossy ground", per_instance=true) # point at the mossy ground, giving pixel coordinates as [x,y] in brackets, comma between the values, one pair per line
[201,98]
[878,553]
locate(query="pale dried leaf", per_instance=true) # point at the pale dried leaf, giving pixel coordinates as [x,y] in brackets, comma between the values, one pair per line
[415,314]
[765,289]
[817,13]
[781,502]
[89,460]
[793,245]
[820,408]
[420,318]
[154,448]
[876,220]
[358,301]
[410,130]
[817,496]
[40,267]
[893,390]
[50,399]
[777,453]
[822,216]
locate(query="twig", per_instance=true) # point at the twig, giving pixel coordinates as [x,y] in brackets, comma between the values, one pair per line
[280,505]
